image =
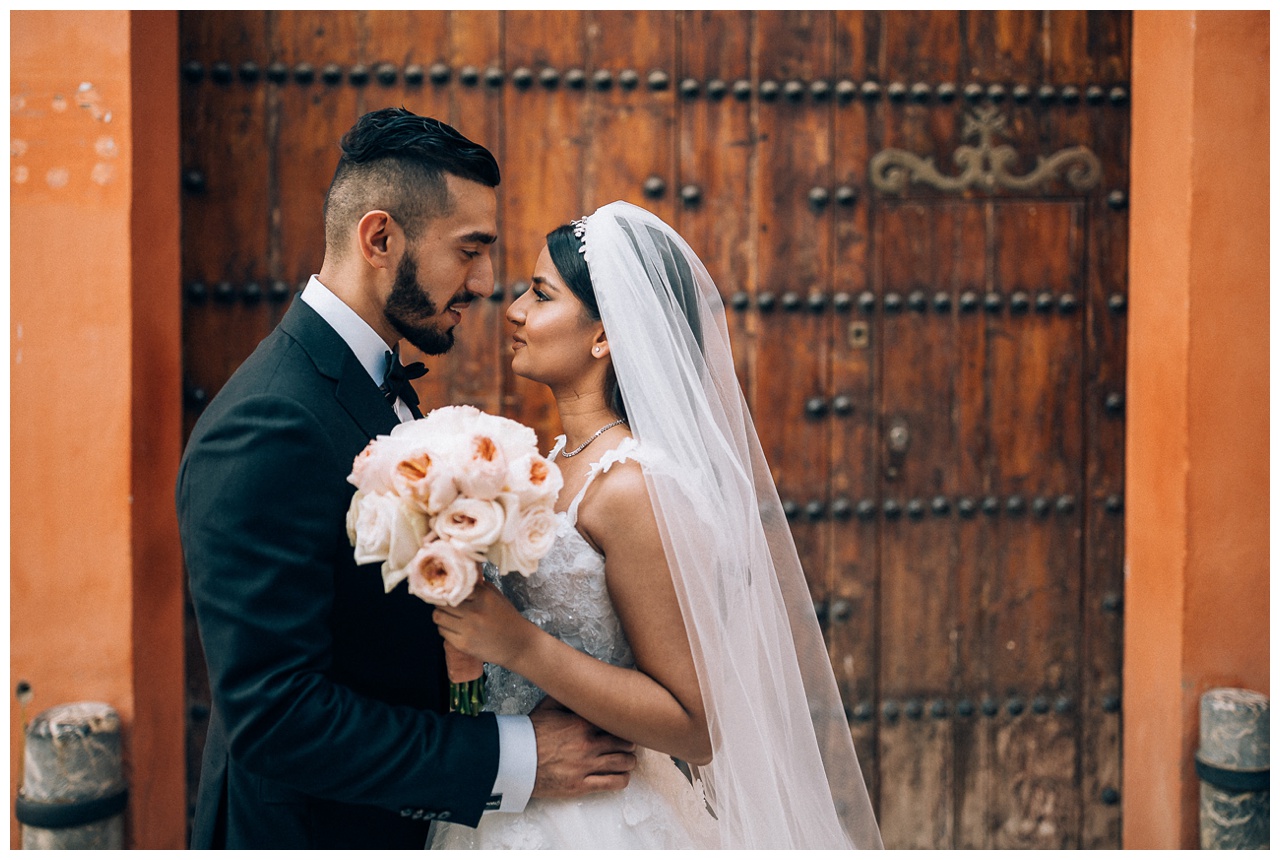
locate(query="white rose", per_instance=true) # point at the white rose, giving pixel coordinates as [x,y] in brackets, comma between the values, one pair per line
[372,469]
[444,422]
[472,525]
[383,529]
[526,538]
[483,473]
[534,478]
[514,438]
[442,574]
[426,479]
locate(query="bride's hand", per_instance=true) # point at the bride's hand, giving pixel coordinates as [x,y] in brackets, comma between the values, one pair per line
[485,625]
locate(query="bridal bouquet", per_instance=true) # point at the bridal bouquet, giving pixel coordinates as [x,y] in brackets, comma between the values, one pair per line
[443,494]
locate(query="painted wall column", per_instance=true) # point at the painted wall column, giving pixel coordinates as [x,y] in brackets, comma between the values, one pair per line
[95,364]
[1197,473]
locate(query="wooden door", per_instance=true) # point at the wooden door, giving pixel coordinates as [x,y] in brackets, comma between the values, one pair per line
[917,221]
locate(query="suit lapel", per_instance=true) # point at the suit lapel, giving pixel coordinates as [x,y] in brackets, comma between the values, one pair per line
[353,389]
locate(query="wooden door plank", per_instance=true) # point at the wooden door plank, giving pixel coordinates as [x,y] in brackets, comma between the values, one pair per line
[853,618]
[1004,46]
[544,148]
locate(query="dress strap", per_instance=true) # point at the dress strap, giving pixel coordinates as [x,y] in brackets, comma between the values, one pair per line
[627,450]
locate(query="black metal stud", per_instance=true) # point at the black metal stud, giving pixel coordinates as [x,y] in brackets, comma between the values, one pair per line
[279,291]
[964,708]
[1066,504]
[1040,506]
[519,288]
[863,712]
[915,509]
[386,74]
[846,91]
[867,301]
[814,510]
[689,88]
[891,508]
[769,90]
[1070,94]
[938,710]
[1015,504]
[846,195]
[277,72]
[1040,705]
[359,74]
[1067,303]
[942,301]
[1019,302]
[996,92]
[842,404]
[897,91]
[196,397]
[1063,705]
[1114,504]
[766,301]
[941,507]
[917,301]
[221,73]
[817,301]
[251,293]
[1111,704]
[331,74]
[1111,602]
[498,293]
[892,302]
[1117,302]
[575,79]
[989,707]
[870,90]
[991,506]
[1046,94]
[522,77]
[841,509]
[1094,94]
[993,302]
[741,300]
[1109,796]
[920,92]
[691,195]
[819,197]
[791,301]
[224,292]
[494,76]
[866,509]
[196,292]
[654,187]
[193,71]
[716,89]
[414,74]
[1015,706]
[440,73]
[304,73]
[968,300]
[1044,301]
[194,181]
[793,90]
[1022,93]
[469,76]
[815,407]
[889,710]
[549,78]
[915,709]
[659,80]
[790,509]
[742,90]
[1117,200]
[946,91]
[966,506]
[820,90]
[1114,404]
[973,92]
[628,79]
[1118,95]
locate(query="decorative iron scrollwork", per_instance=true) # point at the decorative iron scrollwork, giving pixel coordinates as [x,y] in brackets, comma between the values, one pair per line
[985,167]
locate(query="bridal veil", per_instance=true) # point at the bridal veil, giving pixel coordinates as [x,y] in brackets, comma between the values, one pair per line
[784,772]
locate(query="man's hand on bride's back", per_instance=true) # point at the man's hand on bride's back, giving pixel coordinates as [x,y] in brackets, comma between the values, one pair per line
[575,757]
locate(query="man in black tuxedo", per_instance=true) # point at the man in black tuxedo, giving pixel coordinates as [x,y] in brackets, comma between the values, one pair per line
[329,726]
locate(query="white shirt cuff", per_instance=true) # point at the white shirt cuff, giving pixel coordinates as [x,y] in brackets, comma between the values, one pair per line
[517,762]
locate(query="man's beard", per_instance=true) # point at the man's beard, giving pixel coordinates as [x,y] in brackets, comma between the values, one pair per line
[409,301]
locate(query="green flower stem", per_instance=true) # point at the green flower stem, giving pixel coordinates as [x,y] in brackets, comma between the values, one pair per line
[467,698]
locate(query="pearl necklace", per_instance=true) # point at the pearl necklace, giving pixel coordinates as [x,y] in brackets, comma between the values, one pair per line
[576,451]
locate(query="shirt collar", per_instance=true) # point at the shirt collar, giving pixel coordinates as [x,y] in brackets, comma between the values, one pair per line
[369,348]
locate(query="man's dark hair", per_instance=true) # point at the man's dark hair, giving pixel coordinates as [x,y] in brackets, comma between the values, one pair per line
[395,160]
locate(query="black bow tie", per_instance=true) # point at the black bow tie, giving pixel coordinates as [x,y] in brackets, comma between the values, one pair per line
[397,382]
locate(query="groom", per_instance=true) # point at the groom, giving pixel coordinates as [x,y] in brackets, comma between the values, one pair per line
[329,726]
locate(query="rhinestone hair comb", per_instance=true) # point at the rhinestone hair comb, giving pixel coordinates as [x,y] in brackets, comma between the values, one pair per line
[580,231]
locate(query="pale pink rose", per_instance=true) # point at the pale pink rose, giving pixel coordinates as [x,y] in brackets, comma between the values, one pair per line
[526,538]
[426,479]
[382,528]
[483,472]
[534,478]
[442,574]
[373,468]
[472,525]
[514,438]
[446,422]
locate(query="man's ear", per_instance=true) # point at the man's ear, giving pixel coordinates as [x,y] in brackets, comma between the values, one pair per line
[377,234]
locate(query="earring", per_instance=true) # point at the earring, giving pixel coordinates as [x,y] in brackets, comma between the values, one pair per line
[595,351]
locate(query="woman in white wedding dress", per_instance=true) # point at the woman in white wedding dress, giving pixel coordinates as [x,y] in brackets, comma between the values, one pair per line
[672,610]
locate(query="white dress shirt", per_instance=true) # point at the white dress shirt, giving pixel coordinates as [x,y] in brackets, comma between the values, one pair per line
[517,746]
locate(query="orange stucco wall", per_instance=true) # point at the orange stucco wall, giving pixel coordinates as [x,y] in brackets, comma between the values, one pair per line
[1197,522]
[95,401]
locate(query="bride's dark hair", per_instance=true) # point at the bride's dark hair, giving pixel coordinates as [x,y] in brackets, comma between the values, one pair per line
[566,255]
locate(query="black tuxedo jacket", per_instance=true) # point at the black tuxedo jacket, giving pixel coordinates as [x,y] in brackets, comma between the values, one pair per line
[328,727]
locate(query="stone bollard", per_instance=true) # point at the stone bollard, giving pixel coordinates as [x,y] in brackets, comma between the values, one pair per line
[73,791]
[1234,766]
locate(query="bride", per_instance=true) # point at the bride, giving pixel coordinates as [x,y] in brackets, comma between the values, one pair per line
[672,609]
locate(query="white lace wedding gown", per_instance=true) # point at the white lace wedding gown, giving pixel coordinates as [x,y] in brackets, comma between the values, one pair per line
[567,597]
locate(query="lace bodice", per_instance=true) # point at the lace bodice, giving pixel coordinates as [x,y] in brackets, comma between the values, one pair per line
[566,596]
